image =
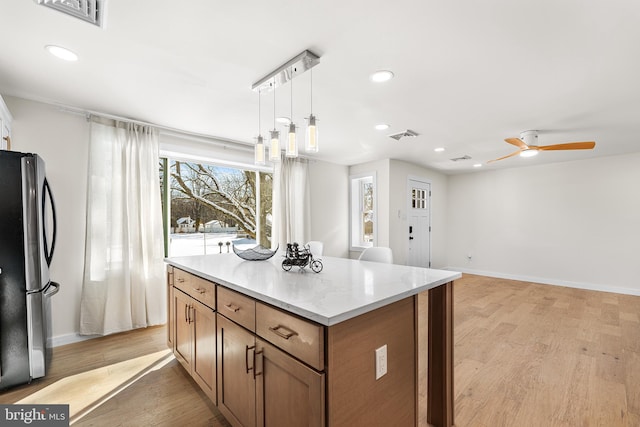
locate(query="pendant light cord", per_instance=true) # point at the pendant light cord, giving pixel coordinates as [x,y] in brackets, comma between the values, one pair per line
[311,93]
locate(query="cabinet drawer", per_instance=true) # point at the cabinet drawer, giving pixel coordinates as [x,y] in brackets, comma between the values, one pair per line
[299,337]
[199,289]
[237,307]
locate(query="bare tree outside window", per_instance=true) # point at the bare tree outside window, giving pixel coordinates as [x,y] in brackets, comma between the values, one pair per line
[218,200]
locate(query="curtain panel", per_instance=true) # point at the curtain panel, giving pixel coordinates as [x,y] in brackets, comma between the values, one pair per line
[123,285]
[291,202]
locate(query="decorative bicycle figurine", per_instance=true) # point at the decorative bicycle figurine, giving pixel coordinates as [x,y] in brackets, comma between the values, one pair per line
[300,257]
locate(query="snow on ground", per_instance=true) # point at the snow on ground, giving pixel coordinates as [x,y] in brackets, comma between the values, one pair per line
[183,244]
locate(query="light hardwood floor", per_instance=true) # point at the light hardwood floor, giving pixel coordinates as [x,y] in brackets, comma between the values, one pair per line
[538,355]
[525,355]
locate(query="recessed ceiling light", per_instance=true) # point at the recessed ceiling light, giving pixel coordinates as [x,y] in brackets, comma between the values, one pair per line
[382,126]
[283,120]
[439,149]
[477,165]
[381,76]
[61,52]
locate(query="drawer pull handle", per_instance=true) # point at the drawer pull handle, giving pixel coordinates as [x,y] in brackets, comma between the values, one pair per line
[286,335]
[232,307]
[246,357]
[255,367]
[199,290]
[180,279]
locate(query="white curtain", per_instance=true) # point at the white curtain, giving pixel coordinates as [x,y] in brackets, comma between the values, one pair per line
[291,202]
[123,284]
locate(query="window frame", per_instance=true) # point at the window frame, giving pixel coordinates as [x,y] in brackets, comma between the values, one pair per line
[166,157]
[356,232]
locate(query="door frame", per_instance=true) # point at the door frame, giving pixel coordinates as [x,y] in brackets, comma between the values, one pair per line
[408,205]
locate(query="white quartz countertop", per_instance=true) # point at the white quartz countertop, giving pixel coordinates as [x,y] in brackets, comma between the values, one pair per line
[344,289]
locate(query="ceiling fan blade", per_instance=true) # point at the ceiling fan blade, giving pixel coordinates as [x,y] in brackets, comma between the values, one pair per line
[517,142]
[515,153]
[587,145]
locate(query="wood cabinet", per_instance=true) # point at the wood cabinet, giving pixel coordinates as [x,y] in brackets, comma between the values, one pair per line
[236,376]
[194,337]
[171,323]
[265,366]
[259,384]
[288,393]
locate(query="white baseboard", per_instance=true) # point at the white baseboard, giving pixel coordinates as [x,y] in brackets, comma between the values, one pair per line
[69,339]
[545,281]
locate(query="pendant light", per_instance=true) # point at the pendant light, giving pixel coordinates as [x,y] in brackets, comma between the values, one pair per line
[274,148]
[285,73]
[292,144]
[259,148]
[311,143]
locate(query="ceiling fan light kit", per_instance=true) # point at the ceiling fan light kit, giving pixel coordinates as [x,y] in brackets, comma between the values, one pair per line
[527,144]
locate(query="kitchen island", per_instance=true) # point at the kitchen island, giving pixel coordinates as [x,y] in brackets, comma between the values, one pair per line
[359,343]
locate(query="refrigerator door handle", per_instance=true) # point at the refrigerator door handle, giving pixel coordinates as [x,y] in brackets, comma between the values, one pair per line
[51,290]
[48,251]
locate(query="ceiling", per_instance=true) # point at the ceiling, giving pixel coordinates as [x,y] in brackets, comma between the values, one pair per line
[468,74]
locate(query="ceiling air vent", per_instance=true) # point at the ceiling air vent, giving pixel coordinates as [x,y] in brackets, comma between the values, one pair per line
[88,10]
[404,133]
[465,157]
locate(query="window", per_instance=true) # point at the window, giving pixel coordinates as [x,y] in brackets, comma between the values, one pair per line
[209,207]
[363,211]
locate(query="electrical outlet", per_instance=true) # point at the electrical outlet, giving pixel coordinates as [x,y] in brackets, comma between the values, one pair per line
[381,361]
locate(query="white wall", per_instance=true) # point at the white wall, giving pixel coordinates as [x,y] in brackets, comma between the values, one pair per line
[61,139]
[330,207]
[574,223]
[399,174]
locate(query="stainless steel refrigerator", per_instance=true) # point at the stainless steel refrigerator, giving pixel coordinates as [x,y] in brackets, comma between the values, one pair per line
[27,241]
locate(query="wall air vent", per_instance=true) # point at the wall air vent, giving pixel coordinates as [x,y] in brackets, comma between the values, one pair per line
[91,11]
[403,134]
[457,159]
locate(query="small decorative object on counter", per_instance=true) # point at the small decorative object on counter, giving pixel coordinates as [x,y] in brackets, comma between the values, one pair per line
[300,257]
[257,253]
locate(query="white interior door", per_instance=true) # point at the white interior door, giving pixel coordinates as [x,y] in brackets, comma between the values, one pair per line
[419,223]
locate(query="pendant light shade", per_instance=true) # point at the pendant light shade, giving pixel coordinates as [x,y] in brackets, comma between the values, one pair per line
[292,143]
[311,145]
[259,151]
[274,146]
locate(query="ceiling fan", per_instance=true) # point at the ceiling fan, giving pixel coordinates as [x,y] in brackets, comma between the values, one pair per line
[528,148]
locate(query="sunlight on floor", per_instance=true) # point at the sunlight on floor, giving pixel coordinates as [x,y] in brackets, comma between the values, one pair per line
[88,390]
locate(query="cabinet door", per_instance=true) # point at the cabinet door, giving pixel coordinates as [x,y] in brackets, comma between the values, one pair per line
[183,318]
[203,363]
[288,393]
[236,382]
